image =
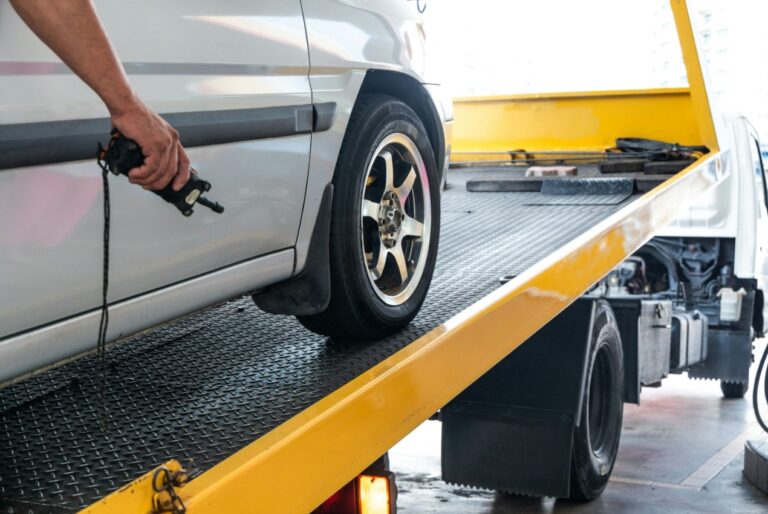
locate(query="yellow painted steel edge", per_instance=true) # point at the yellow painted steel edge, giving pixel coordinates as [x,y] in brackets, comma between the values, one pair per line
[305,460]
[572,123]
[695,71]
[133,498]
[668,91]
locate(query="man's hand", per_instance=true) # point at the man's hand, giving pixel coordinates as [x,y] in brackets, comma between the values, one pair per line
[72,29]
[165,161]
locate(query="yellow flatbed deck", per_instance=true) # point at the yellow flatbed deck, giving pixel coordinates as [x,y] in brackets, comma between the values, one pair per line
[233,381]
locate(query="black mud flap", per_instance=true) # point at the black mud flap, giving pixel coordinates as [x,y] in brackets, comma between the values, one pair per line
[309,292]
[729,350]
[512,430]
[729,356]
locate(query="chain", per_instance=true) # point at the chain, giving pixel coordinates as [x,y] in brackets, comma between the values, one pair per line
[163,483]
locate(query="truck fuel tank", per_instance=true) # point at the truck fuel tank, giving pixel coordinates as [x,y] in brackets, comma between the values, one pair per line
[689,339]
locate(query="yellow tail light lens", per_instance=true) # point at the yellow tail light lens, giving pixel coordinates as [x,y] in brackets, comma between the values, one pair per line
[373,493]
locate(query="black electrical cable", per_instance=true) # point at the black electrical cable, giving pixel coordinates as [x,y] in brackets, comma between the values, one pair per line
[101,345]
[658,150]
[756,388]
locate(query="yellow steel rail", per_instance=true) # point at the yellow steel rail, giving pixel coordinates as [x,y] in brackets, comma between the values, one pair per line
[588,121]
[302,462]
[706,119]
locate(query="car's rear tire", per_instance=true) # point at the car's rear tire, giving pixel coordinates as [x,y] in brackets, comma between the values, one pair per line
[385,223]
[596,438]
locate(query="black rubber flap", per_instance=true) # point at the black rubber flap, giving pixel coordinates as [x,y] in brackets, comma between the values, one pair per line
[587,186]
[645,183]
[666,167]
[622,166]
[512,185]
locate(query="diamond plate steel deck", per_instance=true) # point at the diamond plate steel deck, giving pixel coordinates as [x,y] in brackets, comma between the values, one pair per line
[204,387]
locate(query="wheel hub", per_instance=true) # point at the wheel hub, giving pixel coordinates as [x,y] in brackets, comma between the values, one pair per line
[390,219]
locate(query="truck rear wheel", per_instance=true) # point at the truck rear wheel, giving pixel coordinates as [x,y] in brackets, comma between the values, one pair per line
[596,438]
[733,390]
[385,223]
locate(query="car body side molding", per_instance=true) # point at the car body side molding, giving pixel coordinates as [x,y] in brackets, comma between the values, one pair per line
[52,142]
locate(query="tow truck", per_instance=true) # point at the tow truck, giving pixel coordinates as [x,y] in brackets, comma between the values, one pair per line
[236,410]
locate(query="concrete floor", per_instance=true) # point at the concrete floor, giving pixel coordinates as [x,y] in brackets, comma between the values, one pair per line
[681,451]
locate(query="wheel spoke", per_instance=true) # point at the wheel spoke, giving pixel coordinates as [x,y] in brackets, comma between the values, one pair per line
[405,188]
[402,265]
[396,197]
[389,170]
[370,210]
[381,262]
[412,227]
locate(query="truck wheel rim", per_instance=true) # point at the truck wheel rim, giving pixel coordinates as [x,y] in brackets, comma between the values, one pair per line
[396,219]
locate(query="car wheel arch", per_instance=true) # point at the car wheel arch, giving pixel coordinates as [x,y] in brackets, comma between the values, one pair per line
[412,93]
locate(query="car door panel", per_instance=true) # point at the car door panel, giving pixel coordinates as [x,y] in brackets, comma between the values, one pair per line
[182,56]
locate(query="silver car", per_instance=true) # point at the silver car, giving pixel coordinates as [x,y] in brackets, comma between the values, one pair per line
[316,122]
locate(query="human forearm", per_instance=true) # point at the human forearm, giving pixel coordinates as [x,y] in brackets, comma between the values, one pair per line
[72,29]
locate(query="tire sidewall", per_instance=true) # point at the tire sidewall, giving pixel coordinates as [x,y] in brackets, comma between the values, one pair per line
[591,471]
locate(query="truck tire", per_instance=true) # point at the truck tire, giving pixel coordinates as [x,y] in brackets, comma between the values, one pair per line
[596,437]
[734,390]
[385,223]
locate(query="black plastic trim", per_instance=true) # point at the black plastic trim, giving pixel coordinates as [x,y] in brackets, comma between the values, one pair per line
[309,292]
[324,116]
[51,142]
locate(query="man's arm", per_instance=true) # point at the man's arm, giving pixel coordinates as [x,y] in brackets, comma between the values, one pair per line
[72,29]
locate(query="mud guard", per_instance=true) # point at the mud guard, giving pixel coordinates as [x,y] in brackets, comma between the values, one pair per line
[512,430]
[309,292]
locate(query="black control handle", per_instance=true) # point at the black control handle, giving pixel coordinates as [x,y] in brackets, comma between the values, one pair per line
[123,154]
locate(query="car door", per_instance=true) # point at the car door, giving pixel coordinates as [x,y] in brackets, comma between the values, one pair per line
[233,74]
